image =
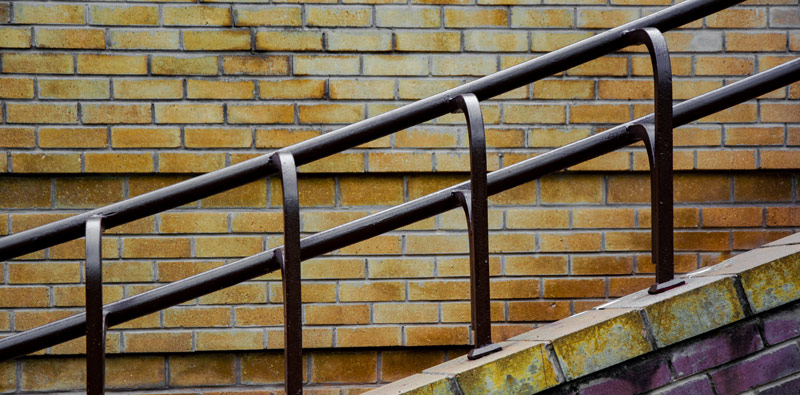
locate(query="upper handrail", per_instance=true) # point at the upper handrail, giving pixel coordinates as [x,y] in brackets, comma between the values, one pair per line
[395,217]
[359,133]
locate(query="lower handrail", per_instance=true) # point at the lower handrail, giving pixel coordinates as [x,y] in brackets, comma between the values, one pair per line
[396,217]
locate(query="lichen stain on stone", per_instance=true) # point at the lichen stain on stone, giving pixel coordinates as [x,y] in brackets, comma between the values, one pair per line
[602,345]
[695,312]
[773,284]
[522,372]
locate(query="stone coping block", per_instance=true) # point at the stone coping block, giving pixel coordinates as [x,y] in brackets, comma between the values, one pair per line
[594,340]
[770,276]
[702,305]
[623,329]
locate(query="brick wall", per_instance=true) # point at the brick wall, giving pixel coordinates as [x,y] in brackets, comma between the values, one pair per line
[104,101]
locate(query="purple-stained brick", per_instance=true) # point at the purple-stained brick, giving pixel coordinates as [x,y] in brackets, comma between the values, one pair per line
[698,385]
[763,368]
[782,325]
[785,386]
[632,378]
[723,346]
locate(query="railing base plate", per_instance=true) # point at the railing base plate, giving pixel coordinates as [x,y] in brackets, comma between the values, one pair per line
[476,353]
[665,286]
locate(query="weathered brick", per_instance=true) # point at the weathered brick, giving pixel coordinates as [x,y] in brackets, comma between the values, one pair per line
[197,15]
[338,16]
[348,314]
[537,17]
[762,368]
[326,65]
[555,40]
[126,137]
[229,339]
[73,89]
[41,113]
[436,335]
[200,369]
[289,41]
[33,13]
[149,39]
[410,17]
[534,113]
[16,88]
[24,297]
[272,16]
[15,37]
[358,41]
[156,248]
[463,65]
[25,192]
[216,40]
[291,89]
[383,336]
[396,365]
[115,113]
[602,18]
[123,15]
[330,113]
[605,66]
[53,374]
[70,38]
[395,65]
[428,42]
[255,65]
[455,17]
[276,113]
[111,64]
[37,63]
[349,366]
[171,65]
[188,113]
[724,65]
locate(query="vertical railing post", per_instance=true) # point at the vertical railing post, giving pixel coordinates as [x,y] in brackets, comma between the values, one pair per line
[474,201]
[95,315]
[658,142]
[290,264]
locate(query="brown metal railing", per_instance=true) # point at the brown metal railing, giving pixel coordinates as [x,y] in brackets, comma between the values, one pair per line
[654,130]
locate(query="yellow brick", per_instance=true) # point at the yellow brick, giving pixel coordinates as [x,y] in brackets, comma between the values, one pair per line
[336,163]
[37,63]
[428,42]
[156,247]
[475,17]
[148,89]
[738,18]
[331,113]
[267,113]
[600,113]
[145,137]
[118,163]
[552,40]
[371,191]
[279,138]
[289,40]
[479,65]
[739,113]
[208,247]
[599,18]
[148,39]
[31,273]
[123,15]
[779,112]
[564,89]
[25,192]
[16,88]
[202,89]
[534,113]
[188,113]
[291,89]
[491,41]
[32,13]
[255,65]
[338,16]
[572,189]
[612,66]
[72,137]
[196,15]
[426,138]
[347,314]
[361,89]
[15,37]
[326,65]
[115,113]
[359,41]
[715,65]
[41,113]
[399,16]
[536,17]
[74,89]
[216,40]
[218,138]
[272,16]
[755,42]
[70,38]
[395,65]
[253,194]
[184,162]
[436,335]
[200,370]
[17,137]
[112,64]
[170,65]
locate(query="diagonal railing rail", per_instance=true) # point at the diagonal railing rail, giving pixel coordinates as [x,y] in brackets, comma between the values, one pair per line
[654,130]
